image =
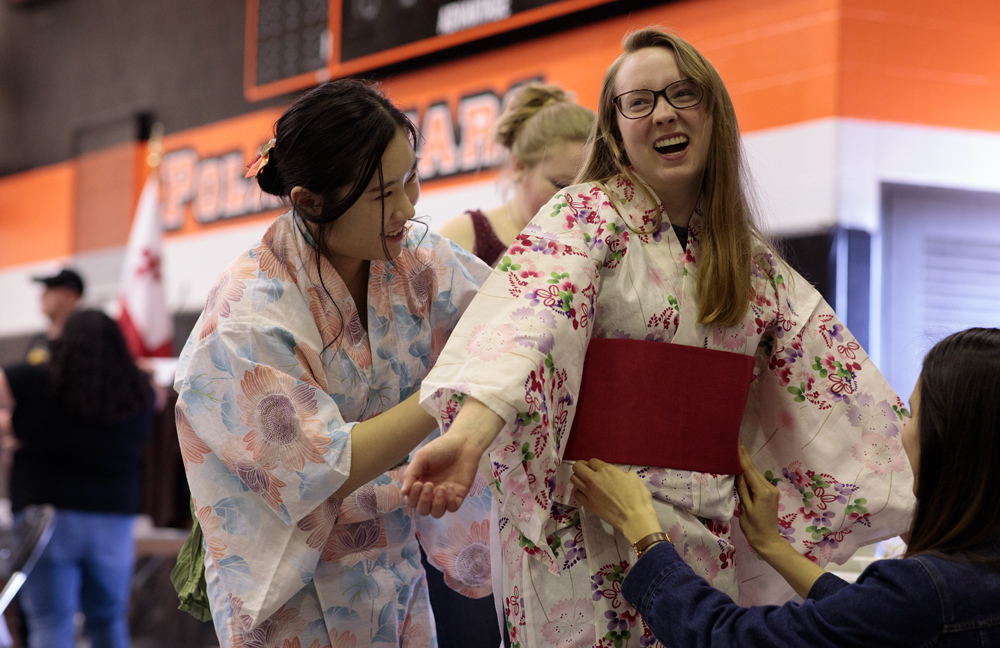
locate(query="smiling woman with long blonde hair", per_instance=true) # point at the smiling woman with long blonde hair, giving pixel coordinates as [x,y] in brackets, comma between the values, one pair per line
[694,333]
[543,132]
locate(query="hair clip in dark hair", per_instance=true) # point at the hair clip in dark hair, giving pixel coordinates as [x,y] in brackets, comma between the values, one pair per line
[259,162]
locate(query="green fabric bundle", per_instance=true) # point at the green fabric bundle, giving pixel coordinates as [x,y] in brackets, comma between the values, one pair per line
[188,575]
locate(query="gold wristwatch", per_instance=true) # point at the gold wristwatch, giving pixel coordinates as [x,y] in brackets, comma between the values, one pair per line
[641,545]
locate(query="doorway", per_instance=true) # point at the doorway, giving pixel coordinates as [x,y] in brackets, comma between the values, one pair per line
[941,272]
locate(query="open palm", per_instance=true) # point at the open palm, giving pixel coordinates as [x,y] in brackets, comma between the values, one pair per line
[440,474]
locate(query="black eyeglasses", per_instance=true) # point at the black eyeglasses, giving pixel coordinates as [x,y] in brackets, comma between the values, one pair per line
[682,94]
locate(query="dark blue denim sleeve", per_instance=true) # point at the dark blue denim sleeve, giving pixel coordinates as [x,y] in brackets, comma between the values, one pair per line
[826,585]
[894,603]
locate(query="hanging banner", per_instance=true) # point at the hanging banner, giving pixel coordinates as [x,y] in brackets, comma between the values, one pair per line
[202,171]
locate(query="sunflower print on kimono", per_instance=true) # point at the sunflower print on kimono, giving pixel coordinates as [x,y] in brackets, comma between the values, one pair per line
[275,375]
[820,418]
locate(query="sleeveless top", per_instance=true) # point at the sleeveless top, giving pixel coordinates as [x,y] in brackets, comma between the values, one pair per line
[488,246]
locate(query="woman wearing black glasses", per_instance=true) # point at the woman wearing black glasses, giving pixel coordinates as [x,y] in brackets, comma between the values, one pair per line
[694,332]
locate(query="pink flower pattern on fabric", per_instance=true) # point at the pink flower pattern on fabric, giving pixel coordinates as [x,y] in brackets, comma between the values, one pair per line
[571,624]
[880,453]
[872,416]
[228,288]
[282,419]
[603,262]
[489,342]
[413,634]
[466,560]
[276,257]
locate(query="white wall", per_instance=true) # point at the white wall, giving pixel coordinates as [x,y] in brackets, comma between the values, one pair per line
[871,153]
[794,170]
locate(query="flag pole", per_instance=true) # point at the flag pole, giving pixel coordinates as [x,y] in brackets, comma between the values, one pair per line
[143,317]
[155,147]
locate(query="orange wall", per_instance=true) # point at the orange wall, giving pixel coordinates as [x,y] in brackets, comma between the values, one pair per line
[106,190]
[933,62]
[778,58]
[783,61]
[37,214]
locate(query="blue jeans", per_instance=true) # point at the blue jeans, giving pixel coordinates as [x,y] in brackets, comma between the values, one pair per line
[86,566]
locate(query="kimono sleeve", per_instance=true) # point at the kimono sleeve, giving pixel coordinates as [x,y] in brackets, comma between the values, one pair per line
[263,446]
[520,349]
[825,426]
[464,274]
[458,543]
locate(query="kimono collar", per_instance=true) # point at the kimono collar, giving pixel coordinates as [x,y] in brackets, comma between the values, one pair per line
[290,239]
[638,204]
[300,225]
[306,244]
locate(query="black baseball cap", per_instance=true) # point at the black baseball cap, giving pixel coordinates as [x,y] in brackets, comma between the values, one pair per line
[65,279]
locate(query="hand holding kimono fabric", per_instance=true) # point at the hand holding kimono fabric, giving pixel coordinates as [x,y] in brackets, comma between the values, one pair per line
[602,260]
[621,499]
[945,591]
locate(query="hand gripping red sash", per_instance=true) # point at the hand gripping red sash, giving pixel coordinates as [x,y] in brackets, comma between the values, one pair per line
[661,404]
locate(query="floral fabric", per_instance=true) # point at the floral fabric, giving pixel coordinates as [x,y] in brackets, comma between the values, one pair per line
[277,372]
[820,418]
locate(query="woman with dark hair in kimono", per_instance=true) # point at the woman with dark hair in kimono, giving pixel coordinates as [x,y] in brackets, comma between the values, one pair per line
[657,242]
[298,393]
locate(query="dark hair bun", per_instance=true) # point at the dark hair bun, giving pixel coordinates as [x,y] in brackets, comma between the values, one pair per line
[269,178]
[331,141]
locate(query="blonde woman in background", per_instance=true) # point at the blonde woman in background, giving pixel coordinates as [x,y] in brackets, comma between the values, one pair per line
[544,133]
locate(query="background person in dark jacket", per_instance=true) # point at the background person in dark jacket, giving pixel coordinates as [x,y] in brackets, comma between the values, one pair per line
[945,592]
[80,422]
[58,300]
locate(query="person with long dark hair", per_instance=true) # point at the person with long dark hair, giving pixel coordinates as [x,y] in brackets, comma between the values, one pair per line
[79,424]
[637,301]
[298,393]
[944,592]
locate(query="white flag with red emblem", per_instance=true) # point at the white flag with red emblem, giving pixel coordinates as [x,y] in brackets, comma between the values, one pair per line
[143,317]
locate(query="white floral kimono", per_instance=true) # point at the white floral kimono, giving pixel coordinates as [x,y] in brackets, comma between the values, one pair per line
[271,384]
[820,418]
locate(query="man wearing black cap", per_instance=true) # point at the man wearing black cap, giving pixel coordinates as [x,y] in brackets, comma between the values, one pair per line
[59,299]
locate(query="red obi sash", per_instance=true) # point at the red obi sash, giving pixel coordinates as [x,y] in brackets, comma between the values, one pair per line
[661,404]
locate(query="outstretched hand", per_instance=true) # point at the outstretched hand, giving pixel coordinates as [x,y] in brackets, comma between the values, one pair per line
[758,505]
[441,473]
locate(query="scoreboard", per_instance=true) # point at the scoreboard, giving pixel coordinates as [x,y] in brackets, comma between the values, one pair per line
[295,44]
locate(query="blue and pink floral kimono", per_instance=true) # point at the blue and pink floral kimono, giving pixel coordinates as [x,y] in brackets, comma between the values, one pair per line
[276,373]
[820,418]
